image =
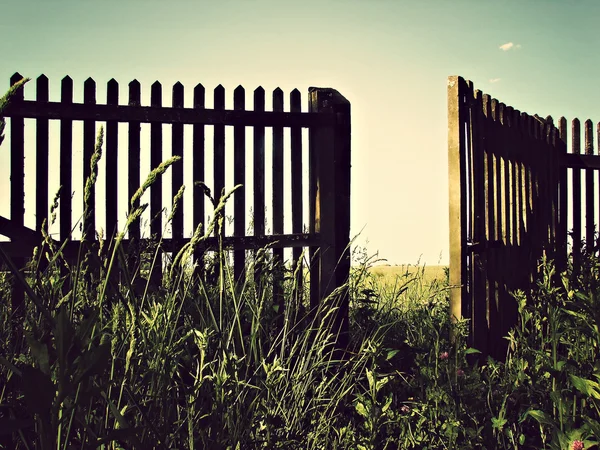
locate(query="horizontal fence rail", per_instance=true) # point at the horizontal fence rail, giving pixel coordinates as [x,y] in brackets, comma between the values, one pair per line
[326,180]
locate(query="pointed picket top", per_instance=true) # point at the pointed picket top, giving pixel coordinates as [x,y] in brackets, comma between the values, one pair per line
[89,91]
[259,99]
[112,92]
[589,137]
[135,93]
[562,128]
[295,101]
[278,100]
[66,90]
[156,94]
[42,89]
[199,96]
[15,78]
[219,94]
[239,98]
[178,95]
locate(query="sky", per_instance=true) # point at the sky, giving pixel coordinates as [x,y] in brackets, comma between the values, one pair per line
[389,58]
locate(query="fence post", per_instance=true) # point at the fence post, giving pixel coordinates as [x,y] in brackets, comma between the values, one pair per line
[457,193]
[330,201]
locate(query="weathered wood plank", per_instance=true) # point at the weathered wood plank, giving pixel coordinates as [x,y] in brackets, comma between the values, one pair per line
[112,163]
[259,166]
[41,157]
[153,114]
[66,162]
[177,168]
[576,149]
[478,302]
[332,220]
[89,138]
[156,208]
[31,238]
[219,150]
[590,227]
[296,178]
[198,169]
[563,197]
[133,158]
[239,177]
[457,196]
[17,196]
[277,168]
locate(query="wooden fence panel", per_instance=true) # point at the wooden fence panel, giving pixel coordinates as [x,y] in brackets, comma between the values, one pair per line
[328,184]
[504,209]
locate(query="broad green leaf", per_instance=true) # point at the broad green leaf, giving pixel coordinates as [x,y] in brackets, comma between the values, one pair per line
[540,417]
[388,402]
[360,408]
[471,350]
[587,387]
[370,378]
[391,354]
[498,422]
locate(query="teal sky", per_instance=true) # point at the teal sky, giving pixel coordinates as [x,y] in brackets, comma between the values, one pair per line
[390,59]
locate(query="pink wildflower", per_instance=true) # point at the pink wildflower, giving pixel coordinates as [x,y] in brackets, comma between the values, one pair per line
[577,445]
[444,356]
[404,409]
[460,372]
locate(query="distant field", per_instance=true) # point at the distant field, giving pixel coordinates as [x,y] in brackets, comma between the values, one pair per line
[388,274]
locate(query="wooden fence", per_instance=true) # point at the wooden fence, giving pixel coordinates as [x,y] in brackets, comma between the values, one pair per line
[328,183]
[509,194]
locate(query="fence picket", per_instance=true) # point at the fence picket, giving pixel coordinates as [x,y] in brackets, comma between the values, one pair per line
[66,162]
[177,168]
[589,187]
[219,149]
[156,208]
[198,171]
[89,137]
[576,149]
[17,195]
[239,177]
[112,163]
[133,154]
[41,157]
[278,201]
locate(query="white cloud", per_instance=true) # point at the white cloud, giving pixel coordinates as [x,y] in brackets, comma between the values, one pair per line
[508,46]
[494,80]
